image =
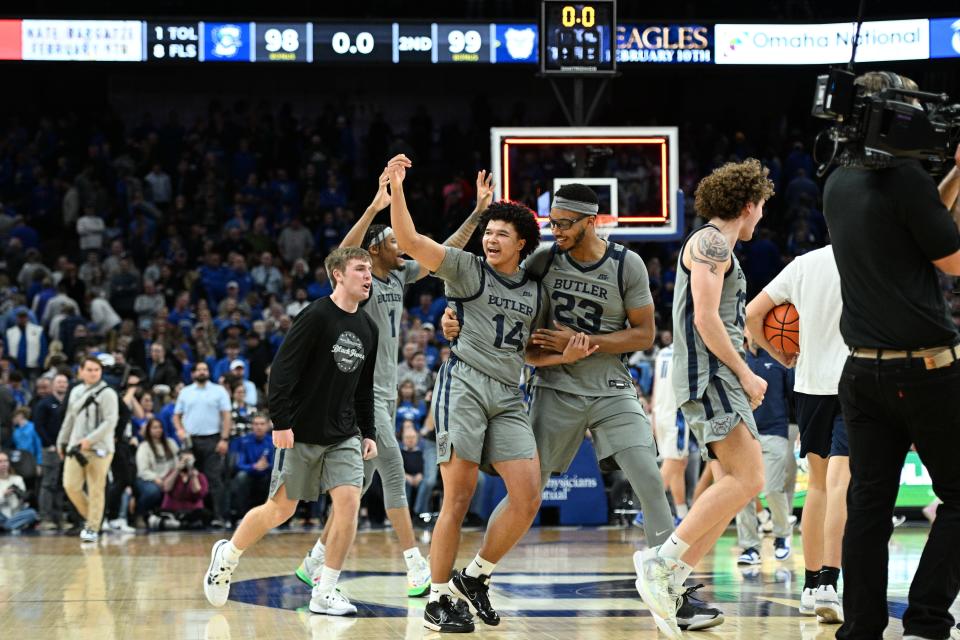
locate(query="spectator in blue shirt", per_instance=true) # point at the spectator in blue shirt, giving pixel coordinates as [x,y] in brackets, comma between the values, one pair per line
[25,437]
[408,407]
[254,465]
[772,418]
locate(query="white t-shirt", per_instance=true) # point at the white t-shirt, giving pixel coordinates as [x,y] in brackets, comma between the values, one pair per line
[664,399]
[812,283]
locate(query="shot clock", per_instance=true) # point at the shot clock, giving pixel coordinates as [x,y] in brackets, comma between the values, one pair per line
[578,38]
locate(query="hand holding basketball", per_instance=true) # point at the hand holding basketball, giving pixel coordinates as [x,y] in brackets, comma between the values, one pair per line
[781,328]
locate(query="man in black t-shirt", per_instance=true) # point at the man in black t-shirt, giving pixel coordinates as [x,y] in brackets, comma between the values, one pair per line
[891,232]
[321,402]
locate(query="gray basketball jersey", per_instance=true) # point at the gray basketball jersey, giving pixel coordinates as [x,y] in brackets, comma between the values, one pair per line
[385,308]
[593,299]
[497,314]
[694,366]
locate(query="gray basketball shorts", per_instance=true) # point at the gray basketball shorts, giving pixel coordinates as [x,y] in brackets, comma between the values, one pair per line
[711,418]
[560,422]
[483,419]
[388,462]
[308,470]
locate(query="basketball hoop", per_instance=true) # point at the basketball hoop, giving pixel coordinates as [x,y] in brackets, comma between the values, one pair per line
[605,224]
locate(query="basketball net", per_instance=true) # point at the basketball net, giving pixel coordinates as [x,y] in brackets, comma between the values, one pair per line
[605,224]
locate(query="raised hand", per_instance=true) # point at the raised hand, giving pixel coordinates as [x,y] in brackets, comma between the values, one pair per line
[382,199]
[484,189]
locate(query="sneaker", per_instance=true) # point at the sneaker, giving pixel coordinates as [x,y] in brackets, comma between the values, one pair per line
[310,567]
[446,616]
[693,614]
[781,548]
[89,535]
[332,603]
[476,591]
[120,524]
[898,520]
[48,525]
[216,584]
[828,605]
[955,633]
[808,602]
[154,521]
[170,522]
[749,556]
[418,580]
[638,519]
[654,575]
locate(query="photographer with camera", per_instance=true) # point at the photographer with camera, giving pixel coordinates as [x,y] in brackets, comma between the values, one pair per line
[184,489]
[890,233]
[86,440]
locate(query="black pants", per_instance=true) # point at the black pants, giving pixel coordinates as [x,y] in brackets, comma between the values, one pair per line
[888,405]
[211,464]
[247,491]
[123,469]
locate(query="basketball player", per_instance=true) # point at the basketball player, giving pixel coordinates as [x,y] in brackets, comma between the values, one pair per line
[321,391]
[478,407]
[716,388]
[391,275]
[602,289]
[671,432]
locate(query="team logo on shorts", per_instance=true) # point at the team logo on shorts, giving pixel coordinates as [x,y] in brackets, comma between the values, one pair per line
[722,425]
[348,352]
[442,444]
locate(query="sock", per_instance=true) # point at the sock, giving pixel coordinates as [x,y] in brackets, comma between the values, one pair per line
[829,577]
[318,551]
[328,580]
[681,572]
[810,578]
[412,557]
[673,548]
[682,510]
[437,590]
[480,567]
[231,554]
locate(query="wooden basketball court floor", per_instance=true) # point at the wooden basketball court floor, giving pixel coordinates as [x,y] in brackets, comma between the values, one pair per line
[558,584]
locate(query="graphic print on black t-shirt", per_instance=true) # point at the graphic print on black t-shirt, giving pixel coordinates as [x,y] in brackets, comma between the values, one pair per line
[347,352]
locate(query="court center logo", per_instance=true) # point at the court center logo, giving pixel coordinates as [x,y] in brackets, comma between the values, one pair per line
[348,352]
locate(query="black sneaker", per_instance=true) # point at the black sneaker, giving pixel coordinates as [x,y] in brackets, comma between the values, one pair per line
[476,592]
[446,617]
[693,613]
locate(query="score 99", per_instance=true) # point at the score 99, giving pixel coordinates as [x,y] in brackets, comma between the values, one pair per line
[568,16]
[464,41]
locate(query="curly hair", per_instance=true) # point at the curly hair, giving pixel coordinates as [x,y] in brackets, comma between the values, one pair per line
[725,192]
[521,217]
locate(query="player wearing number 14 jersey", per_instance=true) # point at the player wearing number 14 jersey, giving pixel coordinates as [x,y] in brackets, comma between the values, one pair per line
[478,407]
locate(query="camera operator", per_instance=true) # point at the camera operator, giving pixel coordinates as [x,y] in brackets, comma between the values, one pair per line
[86,439]
[890,233]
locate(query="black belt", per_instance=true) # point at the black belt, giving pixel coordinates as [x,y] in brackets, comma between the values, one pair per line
[213,435]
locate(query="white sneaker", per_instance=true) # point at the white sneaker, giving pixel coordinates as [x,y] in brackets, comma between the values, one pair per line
[808,602]
[749,557]
[310,567]
[781,548]
[332,603]
[828,605]
[120,524]
[216,584]
[153,521]
[418,580]
[654,577]
[89,535]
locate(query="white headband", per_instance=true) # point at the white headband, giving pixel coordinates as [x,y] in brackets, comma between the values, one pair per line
[380,237]
[588,208]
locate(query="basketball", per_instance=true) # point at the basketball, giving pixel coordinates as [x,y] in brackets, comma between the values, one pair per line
[781,328]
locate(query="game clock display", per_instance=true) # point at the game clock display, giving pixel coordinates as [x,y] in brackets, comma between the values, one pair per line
[578,37]
[358,43]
